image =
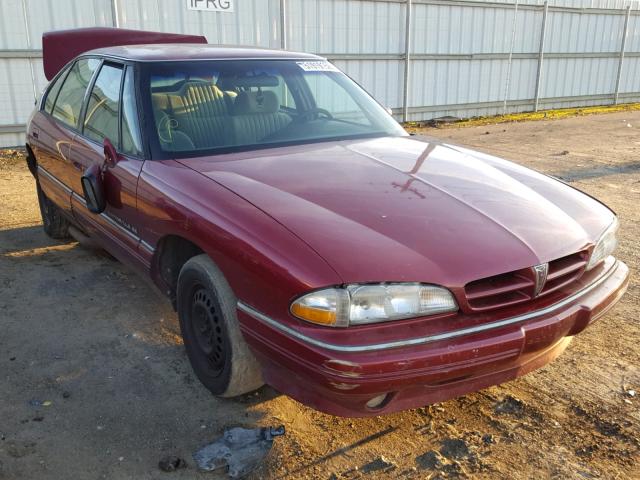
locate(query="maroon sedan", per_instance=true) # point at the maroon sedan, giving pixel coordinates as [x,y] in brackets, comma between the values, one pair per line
[304,238]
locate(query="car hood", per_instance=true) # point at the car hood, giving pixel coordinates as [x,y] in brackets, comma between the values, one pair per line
[407,209]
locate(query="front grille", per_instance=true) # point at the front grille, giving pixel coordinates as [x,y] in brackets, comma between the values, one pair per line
[565,271]
[519,286]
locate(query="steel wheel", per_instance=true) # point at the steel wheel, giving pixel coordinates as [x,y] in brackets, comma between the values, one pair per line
[207,329]
[212,338]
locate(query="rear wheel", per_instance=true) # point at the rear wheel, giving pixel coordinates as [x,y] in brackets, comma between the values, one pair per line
[216,349]
[54,223]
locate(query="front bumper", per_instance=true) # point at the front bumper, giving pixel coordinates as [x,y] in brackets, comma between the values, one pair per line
[419,371]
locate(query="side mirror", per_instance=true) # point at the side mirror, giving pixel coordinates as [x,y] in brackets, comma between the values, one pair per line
[111,156]
[93,189]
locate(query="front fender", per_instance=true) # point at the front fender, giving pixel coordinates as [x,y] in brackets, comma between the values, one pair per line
[265,264]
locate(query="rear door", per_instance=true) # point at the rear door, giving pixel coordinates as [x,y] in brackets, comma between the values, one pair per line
[54,128]
[111,112]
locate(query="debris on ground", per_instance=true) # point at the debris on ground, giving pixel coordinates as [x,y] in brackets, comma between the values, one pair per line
[429,460]
[437,122]
[454,448]
[11,157]
[380,464]
[171,463]
[488,439]
[239,450]
[510,405]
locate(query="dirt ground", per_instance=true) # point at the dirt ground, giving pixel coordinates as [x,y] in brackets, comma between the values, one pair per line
[94,382]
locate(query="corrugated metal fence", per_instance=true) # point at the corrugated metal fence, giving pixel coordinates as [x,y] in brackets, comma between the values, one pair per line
[423,58]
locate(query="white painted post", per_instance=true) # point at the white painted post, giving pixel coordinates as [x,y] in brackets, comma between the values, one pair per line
[543,32]
[283,24]
[27,28]
[407,63]
[623,45]
[513,40]
[115,13]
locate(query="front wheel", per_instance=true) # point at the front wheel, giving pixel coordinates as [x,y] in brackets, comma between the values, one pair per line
[216,349]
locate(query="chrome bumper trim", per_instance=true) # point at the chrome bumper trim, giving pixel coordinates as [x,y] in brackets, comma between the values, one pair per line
[431,338]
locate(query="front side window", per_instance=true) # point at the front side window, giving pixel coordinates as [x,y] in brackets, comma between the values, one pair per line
[331,98]
[69,100]
[131,141]
[213,106]
[102,118]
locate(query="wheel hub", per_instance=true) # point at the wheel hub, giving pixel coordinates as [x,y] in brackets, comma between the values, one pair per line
[206,323]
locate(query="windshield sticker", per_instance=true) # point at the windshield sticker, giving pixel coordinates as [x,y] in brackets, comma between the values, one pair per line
[321,66]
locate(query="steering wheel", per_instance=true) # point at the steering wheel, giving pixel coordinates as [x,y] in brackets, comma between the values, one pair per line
[314,111]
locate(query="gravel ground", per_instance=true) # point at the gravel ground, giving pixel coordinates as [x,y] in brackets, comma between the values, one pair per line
[95,383]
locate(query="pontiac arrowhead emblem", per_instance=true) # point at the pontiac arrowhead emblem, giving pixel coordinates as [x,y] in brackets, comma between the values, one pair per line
[540,273]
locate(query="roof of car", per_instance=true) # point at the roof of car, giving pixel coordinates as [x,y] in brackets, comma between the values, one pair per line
[188,51]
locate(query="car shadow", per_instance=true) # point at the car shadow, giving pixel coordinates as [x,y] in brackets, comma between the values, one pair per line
[13,240]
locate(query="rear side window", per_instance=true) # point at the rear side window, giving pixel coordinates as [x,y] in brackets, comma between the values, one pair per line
[103,111]
[53,92]
[69,102]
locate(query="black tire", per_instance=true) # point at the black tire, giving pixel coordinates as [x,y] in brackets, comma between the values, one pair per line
[54,223]
[216,349]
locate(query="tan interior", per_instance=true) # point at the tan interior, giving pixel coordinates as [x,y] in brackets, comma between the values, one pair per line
[202,115]
[198,110]
[256,116]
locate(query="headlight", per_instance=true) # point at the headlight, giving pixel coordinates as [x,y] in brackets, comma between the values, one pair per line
[605,246]
[361,304]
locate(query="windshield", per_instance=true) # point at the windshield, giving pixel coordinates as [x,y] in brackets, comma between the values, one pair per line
[226,105]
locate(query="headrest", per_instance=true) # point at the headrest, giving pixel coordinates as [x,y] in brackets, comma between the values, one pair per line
[201,89]
[256,102]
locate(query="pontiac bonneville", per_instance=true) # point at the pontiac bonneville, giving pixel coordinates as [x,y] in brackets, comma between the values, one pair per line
[304,238]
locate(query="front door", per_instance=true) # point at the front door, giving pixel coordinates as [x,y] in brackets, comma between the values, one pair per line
[110,113]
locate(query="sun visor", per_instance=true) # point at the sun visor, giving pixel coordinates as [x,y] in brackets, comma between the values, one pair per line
[62,46]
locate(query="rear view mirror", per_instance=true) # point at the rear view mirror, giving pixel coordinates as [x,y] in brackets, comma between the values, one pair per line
[93,189]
